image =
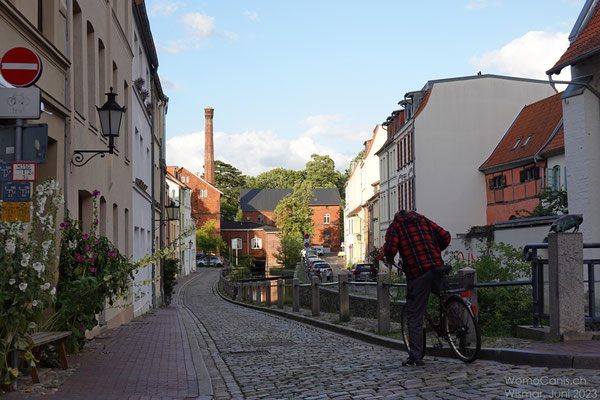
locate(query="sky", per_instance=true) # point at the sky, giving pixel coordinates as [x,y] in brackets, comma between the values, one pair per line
[288,79]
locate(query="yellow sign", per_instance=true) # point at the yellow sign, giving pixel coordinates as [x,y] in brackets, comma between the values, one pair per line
[15,212]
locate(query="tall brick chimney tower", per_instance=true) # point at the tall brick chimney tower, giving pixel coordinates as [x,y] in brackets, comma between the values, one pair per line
[209,148]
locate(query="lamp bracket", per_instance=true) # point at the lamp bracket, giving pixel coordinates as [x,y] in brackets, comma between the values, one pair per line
[79,156]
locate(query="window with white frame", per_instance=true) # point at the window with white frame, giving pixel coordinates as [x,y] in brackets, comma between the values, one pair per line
[205,193]
[326,219]
[256,243]
[261,219]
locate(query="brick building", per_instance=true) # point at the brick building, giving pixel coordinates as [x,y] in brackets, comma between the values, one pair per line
[260,241]
[206,199]
[528,159]
[258,205]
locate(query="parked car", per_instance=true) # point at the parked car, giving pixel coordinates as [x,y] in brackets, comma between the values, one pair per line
[319,249]
[363,272]
[309,253]
[310,259]
[323,270]
[341,253]
[211,261]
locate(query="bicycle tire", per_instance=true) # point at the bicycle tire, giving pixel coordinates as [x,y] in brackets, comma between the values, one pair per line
[404,327]
[462,329]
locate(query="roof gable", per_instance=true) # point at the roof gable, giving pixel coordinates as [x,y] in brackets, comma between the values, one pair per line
[531,131]
[171,170]
[586,43]
[267,199]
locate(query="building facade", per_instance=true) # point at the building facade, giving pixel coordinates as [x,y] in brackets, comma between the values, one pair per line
[526,161]
[430,164]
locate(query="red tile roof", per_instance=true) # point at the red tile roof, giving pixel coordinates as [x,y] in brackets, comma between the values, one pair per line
[557,143]
[539,120]
[584,46]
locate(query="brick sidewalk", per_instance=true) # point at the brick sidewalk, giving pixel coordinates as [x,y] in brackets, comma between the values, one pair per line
[149,358]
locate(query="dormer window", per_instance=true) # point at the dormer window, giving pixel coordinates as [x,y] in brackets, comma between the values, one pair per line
[527,140]
[516,143]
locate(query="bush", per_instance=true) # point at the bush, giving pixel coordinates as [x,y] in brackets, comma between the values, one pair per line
[501,309]
[170,270]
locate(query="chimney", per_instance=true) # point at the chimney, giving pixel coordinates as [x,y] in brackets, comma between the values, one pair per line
[209,148]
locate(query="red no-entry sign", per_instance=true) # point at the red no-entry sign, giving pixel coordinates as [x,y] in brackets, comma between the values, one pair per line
[20,67]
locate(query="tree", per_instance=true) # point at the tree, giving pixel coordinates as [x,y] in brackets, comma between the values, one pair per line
[320,172]
[288,253]
[229,180]
[278,178]
[293,214]
[552,202]
[207,239]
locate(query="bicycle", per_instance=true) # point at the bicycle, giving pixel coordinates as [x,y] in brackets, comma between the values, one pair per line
[457,323]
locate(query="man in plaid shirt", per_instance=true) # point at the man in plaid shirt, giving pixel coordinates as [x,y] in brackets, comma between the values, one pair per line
[420,242]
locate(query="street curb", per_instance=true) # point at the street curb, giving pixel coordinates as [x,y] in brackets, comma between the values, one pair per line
[505,356]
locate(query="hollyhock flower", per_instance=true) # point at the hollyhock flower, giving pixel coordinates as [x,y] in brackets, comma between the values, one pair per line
[34,303]
[87,247]
[45,286]
[96,221]
[39,267]
[92,269]
[10,246]
[112,253]
[72,244]
[85,236]
[96,193]
[53,291]
[22,286]
[24,263]
[46,244]
[12,281]
[26,256]
[97,242]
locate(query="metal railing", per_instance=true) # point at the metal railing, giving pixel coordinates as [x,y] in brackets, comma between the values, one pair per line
[539,283]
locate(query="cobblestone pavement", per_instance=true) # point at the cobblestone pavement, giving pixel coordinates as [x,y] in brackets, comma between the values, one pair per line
[253,355]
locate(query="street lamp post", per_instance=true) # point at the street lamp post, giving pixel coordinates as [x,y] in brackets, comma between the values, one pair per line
[111,114]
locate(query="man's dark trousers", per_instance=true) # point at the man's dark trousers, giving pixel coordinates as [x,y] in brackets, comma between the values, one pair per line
[417,296]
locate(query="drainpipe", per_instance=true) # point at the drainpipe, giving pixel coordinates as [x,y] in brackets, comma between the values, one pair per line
[66,147]
[152,189]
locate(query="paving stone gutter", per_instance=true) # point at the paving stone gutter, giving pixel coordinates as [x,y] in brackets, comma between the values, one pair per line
[364,329]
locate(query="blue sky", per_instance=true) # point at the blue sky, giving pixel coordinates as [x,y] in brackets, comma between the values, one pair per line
[292,78]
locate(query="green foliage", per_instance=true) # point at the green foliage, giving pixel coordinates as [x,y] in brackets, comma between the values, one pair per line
[288,252]
[552,202]
[171,268]
[229,180]
[207,239]
[26,288]
[293,213]
[501,309]
[278,178]
[92,273]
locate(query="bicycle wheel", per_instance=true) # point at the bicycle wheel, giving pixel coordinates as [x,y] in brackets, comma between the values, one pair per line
[462,328]
[404,326]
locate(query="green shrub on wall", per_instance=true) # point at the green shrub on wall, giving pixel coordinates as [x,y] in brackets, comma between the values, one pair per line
[501,309]
[170,270]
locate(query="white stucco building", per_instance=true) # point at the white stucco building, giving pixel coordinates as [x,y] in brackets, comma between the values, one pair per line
[447,130]
[361,190]
[181,195]
[581,118]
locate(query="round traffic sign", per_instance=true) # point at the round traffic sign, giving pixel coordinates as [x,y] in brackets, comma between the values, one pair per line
[306,244]
[20,67]
[306,236]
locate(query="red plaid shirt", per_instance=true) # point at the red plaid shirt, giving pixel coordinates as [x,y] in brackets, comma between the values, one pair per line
[419,240]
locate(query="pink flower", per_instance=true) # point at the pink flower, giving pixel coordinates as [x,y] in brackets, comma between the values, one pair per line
[81,328]
[96,221]
[79,257]
[92,269]
[96,193]
[87,247]
[112,253]
[85,236]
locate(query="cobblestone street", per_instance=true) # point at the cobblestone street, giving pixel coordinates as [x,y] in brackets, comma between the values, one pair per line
[250,354]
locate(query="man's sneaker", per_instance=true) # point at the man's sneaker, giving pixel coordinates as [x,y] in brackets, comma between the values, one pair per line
[412,363]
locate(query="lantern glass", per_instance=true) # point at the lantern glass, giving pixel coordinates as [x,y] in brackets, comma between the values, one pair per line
[172,212]
[111,114]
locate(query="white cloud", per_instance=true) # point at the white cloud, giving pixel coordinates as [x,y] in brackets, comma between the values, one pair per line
[163,8]
[480,4]
[529,56]
[168,84]
[172,47]
[202,26]
[253,152]
[253,15]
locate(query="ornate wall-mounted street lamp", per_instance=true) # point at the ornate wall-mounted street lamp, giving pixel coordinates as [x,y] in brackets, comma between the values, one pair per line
[172,211]
[111,114]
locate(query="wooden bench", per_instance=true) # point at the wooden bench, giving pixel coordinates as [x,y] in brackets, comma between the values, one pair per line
[40,339]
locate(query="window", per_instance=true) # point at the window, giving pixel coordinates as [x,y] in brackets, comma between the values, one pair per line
[326,219]
[327,237]
[261,219]
[201,193]
[205,193]
[236,244]
[256,243]
[526,140]
[497,182]
[516,143]
[529,174]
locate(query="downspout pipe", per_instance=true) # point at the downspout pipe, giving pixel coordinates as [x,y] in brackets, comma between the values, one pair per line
[584,84]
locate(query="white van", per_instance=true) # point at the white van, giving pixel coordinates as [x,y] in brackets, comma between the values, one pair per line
[319,249]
